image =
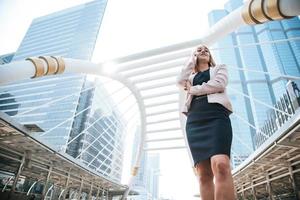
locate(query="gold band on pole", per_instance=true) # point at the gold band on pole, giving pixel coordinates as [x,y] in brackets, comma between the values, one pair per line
[60,65]
[258,12]
[39,66]
[254,11]
[247,14]
[134,171]
[51,64]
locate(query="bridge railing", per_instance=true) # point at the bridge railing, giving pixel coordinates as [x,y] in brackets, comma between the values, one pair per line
[276,116]
[287,103]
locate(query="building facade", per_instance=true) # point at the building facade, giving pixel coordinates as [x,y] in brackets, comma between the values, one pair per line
[4,59]
[66,106]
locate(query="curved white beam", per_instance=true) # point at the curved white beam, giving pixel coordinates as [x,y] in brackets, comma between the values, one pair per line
[223,27]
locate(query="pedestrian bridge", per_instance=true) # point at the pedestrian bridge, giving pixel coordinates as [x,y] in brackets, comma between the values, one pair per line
[273,170]
[24,156]
[270,169]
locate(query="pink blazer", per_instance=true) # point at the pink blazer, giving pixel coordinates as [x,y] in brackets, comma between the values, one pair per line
[215,88]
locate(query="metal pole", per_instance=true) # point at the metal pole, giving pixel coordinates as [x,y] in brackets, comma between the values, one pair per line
[295,186]
[269,187]
[98,192]
[74,193]
[91,191]
[253,189]
[80,189]
[31,187]
[51,195]
[102,196]
[61,193]
[243,192]
[7,182]
[18,174]
[67,183]
[50,188]
[109,196]
[46,183]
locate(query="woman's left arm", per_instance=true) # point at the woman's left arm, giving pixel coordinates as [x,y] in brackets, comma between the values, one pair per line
[215,85]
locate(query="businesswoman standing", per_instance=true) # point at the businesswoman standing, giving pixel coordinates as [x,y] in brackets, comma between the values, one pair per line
[208,125]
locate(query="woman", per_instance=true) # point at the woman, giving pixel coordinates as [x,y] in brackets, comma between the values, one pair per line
[208,125]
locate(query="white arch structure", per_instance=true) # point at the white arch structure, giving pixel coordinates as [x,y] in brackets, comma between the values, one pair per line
[166,58]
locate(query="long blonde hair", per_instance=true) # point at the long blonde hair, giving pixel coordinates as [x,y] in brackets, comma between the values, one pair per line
[211,61]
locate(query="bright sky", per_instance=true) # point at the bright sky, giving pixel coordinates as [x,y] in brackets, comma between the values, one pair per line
[128,27]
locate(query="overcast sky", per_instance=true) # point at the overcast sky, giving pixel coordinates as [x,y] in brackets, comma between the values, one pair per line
[129,26]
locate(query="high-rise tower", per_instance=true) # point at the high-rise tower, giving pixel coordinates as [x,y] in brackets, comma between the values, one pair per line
[70,33]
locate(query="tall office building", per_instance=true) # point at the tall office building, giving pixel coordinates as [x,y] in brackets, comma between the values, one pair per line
[278,58]
[70,33]
[7,100]
[283,57]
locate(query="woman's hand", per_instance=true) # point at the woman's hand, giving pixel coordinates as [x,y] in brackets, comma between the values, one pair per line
[187,86]
[186,70]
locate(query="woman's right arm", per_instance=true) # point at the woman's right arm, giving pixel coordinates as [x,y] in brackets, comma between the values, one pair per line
[187,69]
[214,85]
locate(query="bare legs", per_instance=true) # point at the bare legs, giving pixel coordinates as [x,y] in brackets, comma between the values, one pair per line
[218,167]
[205,177]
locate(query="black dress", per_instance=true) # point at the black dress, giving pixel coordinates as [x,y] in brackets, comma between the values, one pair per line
[208,125]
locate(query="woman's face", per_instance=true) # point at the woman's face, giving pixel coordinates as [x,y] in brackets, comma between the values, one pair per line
[203,54]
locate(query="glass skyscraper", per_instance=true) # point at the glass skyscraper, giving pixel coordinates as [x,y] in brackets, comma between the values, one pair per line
[276,58]
[77,101]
